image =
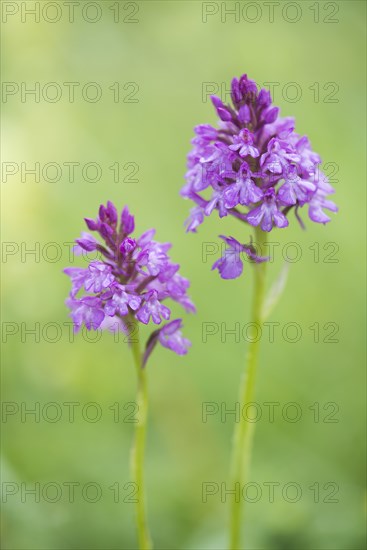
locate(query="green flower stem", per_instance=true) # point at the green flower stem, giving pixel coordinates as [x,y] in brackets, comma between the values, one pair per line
[244,431]
[137,455]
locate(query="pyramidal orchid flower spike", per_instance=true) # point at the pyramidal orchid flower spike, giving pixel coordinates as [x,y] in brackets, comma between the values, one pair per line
[126,288]
[255,167]
[130,282]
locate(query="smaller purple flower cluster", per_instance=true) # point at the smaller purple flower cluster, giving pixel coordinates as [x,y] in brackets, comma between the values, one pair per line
[254,166]
[131,281]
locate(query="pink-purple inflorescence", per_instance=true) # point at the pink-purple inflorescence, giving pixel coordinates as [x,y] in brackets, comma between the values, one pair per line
[255,167]
[131,281]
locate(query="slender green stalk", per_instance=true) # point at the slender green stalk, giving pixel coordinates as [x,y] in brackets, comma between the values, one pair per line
[244,431]
[137,455]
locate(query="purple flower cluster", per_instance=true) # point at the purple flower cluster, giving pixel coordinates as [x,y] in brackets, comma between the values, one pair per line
[133,278]
[254,166]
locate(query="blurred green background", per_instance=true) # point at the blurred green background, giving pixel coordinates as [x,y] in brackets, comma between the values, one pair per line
[168,53]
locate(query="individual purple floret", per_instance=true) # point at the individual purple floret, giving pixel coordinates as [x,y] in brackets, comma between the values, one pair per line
[230,265]
[133,278]
[254,166]
[171,337]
